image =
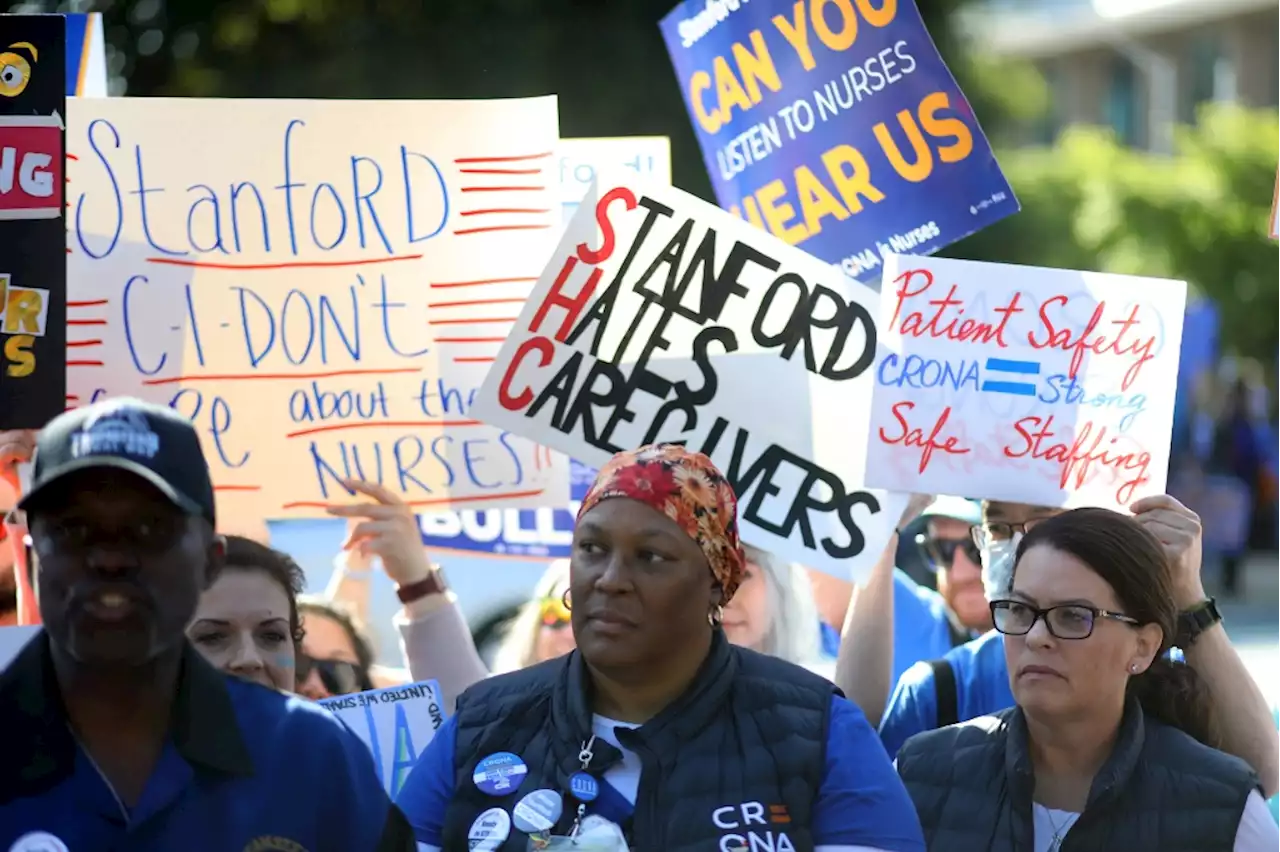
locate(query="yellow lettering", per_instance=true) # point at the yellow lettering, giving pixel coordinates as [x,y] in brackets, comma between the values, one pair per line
[699,83]
[777,215]
[854,182]
[22,311]
[796,33]
[943,128]
[816,201]
[728,90]
[923,165]
[881,17]
[848,33]
[756,67]
[17,351]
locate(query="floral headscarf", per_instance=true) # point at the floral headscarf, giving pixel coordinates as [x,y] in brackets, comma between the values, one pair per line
[687,488]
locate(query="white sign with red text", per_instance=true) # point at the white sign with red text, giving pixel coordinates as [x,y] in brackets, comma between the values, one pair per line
[1018,383]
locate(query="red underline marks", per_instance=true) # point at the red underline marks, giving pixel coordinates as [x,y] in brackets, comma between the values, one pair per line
[299,264]
[503,188]
[470,321]
[71,397]
[331,374]
[85,364]
[439,501]
[68,251]
[470,340]
[466,231]
[74,343]
[516,301]
[237,488]
[501,171]
[87,322]
[389,424]
[474,360]
[92,303]
[497,210]
[488,281]
[467,160]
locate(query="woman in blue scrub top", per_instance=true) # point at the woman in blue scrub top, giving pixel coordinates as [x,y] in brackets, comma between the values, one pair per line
[657,733]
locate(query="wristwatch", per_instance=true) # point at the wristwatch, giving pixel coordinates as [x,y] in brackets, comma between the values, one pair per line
[1192,622]
[432,584]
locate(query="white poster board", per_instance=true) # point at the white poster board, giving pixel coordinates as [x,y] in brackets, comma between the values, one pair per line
[581,159]
[1018,383]
[396,724]
[320,285]
[675,321]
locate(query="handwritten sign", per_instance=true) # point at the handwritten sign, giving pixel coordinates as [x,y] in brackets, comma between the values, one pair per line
[836,126]
[396,724]
[33,275]
[1041,386]
[319,285]
[580,159]
[680,322]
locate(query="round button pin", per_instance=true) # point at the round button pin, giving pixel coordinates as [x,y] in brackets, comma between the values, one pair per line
[584,787]
[500,773]
[490,830]
[538,811]
[38,841]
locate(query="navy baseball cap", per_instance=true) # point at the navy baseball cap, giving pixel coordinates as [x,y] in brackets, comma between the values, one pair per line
[152,442]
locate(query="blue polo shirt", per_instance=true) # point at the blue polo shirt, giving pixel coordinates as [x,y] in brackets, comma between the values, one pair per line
[245,768]
[860,804]
[982,687]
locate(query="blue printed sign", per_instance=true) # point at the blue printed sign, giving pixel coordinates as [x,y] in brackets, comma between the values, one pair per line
[527,533]
[835,126]
[396,724]
[86,56]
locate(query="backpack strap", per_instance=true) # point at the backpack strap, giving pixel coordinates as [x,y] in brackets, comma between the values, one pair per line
[944,685]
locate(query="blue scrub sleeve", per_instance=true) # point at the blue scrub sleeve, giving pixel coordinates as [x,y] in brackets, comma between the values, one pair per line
[426,793]
[862,801]
[913,708]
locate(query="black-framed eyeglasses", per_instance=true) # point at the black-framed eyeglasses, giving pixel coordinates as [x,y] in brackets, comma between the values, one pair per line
[1066,621]
[942,551]
[1000,531]
[338,676]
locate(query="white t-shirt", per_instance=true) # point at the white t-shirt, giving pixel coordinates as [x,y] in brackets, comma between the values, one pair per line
[1258,832]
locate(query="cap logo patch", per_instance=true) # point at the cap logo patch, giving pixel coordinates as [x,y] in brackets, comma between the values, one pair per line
[116,430]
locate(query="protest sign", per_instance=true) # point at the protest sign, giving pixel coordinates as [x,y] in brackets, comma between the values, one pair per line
[319,285]
[33,272]
[86,56]
[396,724]
[1017,383]
[680,322]
[647,156]
[836,126]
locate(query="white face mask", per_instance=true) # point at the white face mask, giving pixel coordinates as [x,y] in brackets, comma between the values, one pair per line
[997,566]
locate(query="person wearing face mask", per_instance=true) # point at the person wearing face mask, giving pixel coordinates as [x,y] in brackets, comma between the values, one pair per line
[973,679]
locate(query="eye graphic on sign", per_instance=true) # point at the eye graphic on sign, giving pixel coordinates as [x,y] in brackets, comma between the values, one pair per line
[15,71]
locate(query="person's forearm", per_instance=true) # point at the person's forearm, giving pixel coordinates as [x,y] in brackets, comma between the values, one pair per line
[864,665]
[1248,731]
[351,588]
[437,644]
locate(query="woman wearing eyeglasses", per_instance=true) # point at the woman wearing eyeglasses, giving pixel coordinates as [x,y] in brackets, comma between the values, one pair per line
[1111,746]
[540,631]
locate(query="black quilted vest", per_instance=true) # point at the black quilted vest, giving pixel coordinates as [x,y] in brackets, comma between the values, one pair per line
[752,728]
[1161,790]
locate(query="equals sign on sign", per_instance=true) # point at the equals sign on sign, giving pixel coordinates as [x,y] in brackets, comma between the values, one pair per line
[1014,368]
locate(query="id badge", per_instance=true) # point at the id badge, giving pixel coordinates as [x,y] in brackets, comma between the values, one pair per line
[579,844]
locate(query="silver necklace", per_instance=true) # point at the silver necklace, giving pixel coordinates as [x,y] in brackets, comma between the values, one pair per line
[1059,831]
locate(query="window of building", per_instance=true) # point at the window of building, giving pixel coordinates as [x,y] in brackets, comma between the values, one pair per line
[1122,101]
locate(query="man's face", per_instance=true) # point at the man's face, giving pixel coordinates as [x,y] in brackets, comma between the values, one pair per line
[1003,526]
[121,568]
[951,547]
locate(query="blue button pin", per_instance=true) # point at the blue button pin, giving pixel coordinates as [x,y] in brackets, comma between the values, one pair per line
[584,787]
[538,811]
[500,773]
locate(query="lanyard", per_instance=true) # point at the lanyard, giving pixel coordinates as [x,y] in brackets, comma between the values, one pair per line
[584,757]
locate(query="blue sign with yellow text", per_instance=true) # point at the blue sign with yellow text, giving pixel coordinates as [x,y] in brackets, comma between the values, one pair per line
[835,125]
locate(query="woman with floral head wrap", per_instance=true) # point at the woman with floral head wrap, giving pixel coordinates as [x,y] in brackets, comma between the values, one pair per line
[657,733]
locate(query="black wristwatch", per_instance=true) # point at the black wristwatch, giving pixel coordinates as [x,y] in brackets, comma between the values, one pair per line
[1192,622]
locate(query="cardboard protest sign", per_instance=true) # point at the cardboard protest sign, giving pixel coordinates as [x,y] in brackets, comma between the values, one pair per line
[647,156]
[319,285]
[1017,383]
[33,272]
[680,322]
[836,126]
[396,724]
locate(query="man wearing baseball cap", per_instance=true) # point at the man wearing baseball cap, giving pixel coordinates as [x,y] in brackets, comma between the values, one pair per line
[117,733]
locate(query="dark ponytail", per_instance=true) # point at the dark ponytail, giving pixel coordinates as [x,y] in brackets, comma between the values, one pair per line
[1171,692]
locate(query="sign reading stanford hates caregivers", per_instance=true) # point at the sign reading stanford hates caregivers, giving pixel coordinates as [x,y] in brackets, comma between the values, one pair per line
[835,126]
[664,319]
[1019,383]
